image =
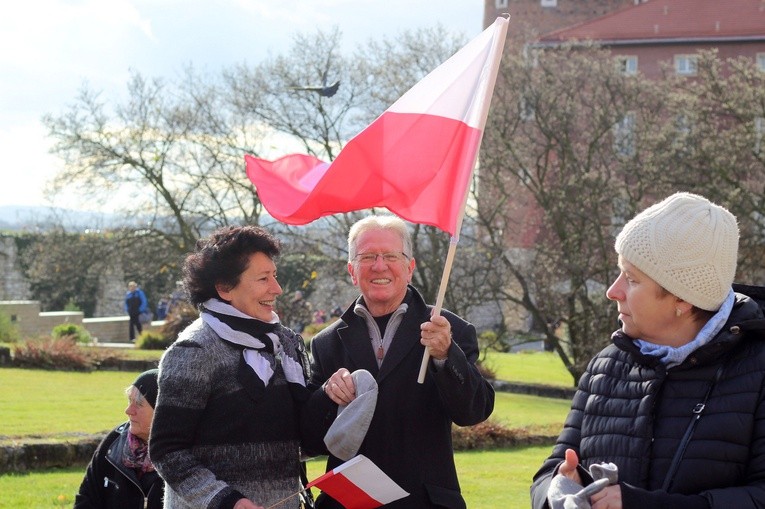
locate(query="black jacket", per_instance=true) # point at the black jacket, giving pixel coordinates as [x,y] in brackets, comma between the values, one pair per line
[409,437]
[108,484]
[631,411]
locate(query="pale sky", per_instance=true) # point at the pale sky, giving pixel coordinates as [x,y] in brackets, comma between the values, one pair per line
[49,48]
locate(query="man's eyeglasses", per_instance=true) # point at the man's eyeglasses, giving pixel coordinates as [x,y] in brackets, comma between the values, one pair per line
[371,258]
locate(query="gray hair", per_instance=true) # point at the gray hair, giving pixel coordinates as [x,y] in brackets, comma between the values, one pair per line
[384,222]
[133,394]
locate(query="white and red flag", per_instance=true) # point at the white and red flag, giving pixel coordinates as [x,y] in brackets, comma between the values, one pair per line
[359,484]
[416,159]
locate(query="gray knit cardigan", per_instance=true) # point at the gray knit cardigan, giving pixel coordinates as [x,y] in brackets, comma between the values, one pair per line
[218,434]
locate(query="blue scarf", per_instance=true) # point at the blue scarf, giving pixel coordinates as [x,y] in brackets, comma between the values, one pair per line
[670,356]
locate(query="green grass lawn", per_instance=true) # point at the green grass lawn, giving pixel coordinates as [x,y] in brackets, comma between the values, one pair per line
[530,367]
[94,402]
[497,479]
[54,404]
[38,402]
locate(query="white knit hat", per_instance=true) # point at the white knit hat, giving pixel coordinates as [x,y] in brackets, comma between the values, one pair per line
[688,245]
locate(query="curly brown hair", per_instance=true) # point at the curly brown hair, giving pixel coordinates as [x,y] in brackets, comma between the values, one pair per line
[221,258]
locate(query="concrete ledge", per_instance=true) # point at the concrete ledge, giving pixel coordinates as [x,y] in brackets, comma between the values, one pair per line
[115,329]
[127,365]
[545,391]
[36,455]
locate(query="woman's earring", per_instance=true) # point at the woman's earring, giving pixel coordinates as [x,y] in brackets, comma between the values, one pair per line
[678,312]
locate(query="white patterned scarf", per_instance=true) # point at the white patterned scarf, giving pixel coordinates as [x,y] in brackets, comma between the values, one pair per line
[256,336]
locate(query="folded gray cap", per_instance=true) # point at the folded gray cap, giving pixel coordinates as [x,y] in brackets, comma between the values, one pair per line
[346,434]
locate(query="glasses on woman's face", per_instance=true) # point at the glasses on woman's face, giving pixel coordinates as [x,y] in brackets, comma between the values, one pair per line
[370,258]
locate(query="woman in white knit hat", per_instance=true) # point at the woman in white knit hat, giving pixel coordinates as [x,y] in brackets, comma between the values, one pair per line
[674,408]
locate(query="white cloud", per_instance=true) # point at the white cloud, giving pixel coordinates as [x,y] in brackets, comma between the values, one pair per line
[26,164]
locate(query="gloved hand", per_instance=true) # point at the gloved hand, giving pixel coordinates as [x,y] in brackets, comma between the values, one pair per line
[567,494]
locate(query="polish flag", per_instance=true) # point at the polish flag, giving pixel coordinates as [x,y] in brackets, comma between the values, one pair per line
[359,484]
[416,159]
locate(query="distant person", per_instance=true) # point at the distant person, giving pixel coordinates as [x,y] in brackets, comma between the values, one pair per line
[385,332]
[135,304]
[231,387]
[162,308]
[673,410]
[120,474]
[177,298]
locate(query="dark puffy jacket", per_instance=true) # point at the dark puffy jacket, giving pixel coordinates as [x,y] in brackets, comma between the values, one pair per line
[108,484]
[631,411]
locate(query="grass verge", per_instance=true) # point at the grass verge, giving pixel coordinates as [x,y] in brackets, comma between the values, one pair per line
[543,368]
[497,479]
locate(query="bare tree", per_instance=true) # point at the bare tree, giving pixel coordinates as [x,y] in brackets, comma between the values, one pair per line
[174,150]
[725,154]
[574,148]
[177,146]
[568,157]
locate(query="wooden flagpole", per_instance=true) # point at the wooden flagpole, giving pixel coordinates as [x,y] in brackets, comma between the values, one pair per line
[490,80]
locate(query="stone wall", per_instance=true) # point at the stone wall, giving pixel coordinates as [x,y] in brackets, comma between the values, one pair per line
[114,329]
[31,323]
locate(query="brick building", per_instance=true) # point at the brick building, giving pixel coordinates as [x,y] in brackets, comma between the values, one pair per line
[643,35]
[646,36]
[536,17]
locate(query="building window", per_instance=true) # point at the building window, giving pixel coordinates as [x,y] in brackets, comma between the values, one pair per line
[624,136]
[627,64]
[761,61]
[686,64]
[549,3]
[501,4]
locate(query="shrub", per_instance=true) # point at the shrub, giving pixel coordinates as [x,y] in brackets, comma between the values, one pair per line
[489,340]
[8,331]
[152,341]
[486,371]
[58,354]
[178,319]
[490,435]
[76,332]
[71,305]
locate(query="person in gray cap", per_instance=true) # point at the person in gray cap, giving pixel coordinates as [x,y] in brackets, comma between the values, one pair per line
[121,474]
[674,407]
[402,426]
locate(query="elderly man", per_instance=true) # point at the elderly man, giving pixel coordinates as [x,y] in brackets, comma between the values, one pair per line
[385,331]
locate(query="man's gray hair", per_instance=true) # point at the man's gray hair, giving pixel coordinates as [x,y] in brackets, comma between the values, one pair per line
[383,222]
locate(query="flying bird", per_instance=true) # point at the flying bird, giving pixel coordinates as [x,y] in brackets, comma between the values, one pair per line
[324,91]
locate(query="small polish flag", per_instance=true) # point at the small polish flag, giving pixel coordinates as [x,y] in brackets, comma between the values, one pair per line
[359,484]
